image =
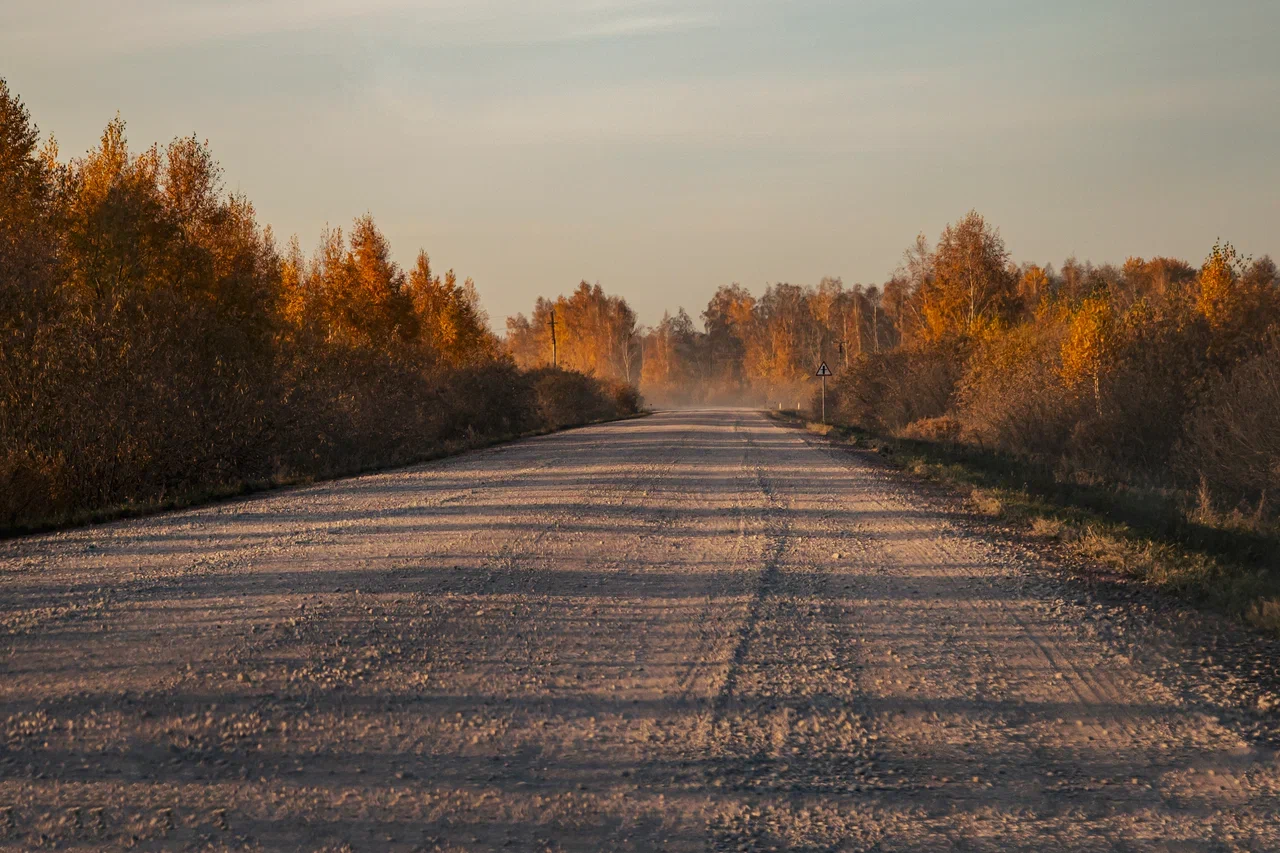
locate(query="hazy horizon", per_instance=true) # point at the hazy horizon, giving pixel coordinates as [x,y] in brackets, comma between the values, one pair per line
[664,149]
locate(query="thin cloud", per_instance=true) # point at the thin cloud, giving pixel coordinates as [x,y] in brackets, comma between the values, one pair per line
[148,23]
[642,25]
[73,28]
[862,112]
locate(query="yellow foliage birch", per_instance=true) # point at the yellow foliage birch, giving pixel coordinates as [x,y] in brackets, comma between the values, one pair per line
[1033,285]
[1089,345]
[1218,292]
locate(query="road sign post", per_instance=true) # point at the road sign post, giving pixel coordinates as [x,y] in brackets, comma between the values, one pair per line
[824,372]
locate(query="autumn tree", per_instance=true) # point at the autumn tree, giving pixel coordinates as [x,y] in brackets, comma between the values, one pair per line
[529,338]
[1034,285]
[595,334]
[1155,279]
[1219,297]
[780,350]
[1089,346]
[971,288]
[155,344]
[730,323]
[673,367]
[449,320]
[29,300]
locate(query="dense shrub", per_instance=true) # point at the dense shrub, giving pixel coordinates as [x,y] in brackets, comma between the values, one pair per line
[1012,397]
[568,398]
[626,397]
[945,429]
[890,390]
[1232,438]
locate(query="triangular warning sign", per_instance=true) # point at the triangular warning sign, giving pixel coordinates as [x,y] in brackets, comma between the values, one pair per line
[823,370]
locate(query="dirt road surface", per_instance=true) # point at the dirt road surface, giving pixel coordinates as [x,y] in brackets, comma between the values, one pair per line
[695,631]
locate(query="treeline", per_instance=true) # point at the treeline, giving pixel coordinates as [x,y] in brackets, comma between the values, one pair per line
[588,331]
[748,350]
[764,350]
[1156,374]
[156,345]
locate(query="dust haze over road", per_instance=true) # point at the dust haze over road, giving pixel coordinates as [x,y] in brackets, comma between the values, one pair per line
[693,631]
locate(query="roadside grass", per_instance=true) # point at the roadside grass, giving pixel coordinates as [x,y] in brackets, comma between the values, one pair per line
[1227,561]
[281,480]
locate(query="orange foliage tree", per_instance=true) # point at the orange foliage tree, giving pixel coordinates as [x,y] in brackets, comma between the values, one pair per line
[155,345]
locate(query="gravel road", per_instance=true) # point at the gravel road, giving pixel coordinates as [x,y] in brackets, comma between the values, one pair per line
[694,631]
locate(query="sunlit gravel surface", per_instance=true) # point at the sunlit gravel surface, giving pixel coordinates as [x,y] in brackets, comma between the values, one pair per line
[693,631]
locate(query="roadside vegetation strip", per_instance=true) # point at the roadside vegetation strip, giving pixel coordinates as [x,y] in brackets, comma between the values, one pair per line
[1227,562]
[249,488]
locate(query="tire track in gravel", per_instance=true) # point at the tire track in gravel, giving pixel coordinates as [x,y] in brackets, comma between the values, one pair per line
[776,534]
[701,659]
[793,750]
[995,617]
[513,555]
[1085,684]
[1077,768]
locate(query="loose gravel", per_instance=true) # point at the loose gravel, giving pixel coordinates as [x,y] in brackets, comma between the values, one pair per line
[695,631]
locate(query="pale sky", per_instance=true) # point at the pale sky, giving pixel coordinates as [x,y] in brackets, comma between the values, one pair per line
[666,148]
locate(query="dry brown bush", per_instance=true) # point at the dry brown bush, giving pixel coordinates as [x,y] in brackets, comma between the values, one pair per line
[1011,397]
[943,429]
[568,398]
[887,391]
[1232,438]
[625,396]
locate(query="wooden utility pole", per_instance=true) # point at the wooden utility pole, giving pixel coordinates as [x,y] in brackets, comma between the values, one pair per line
[555,350]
